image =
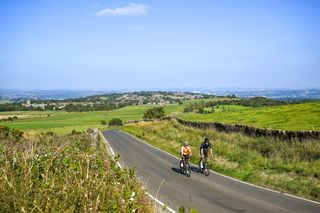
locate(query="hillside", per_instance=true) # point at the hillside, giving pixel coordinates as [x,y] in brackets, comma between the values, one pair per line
[50,173]
[102,102]
[304,116]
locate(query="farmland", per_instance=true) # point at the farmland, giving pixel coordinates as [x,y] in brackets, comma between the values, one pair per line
[64,122]
[304,116]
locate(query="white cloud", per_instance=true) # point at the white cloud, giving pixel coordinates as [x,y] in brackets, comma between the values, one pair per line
[132,9]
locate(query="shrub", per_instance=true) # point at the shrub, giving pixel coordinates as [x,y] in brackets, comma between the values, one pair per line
[188,109]
[75,132]
[201,110]
[154,113]
[104,122]
[116,122]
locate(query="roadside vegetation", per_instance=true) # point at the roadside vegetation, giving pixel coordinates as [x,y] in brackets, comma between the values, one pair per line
[50,173]
[291,167]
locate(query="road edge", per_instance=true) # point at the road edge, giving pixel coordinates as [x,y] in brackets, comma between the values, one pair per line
[119,165]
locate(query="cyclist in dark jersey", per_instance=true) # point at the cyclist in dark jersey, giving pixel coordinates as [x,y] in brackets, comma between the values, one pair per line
[205,150]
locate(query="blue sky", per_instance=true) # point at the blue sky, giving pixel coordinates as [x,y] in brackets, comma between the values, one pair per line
[100,44]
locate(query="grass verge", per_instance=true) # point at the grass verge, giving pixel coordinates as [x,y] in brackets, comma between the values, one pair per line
[50,173]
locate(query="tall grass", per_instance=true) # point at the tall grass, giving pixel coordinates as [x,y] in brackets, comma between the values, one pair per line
[50,173]
[292,167]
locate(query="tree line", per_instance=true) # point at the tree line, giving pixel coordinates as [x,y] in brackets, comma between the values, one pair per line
[249,102]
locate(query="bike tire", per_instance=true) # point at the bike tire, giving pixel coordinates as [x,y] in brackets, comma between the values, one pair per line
[181,166]
[188,170]
[200,169]
[206,170]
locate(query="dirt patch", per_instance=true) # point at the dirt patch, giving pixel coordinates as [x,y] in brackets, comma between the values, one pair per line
[289,176]
[222,161]
[7,116]
[31,135]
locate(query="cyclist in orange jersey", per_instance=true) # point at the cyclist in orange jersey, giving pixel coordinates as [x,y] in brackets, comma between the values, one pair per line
[186,152]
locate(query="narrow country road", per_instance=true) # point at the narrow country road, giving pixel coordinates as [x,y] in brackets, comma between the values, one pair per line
[160,172]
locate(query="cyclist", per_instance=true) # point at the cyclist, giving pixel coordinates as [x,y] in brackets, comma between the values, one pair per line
[186,152]
[205,151]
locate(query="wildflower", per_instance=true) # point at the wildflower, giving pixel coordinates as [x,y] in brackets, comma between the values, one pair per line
[132,196]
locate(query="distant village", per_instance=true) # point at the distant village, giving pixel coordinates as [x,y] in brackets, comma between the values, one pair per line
[115,100]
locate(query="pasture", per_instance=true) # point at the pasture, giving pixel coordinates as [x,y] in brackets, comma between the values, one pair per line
[305,116]
[63,122]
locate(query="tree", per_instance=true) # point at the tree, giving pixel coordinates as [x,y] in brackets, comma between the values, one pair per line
[201,110]
[116,122]
[154,113]
[188,109]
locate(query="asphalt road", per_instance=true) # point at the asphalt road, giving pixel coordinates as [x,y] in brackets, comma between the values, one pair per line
[160,172]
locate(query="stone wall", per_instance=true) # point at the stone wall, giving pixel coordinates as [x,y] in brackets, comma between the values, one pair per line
[253,131]
[246,130]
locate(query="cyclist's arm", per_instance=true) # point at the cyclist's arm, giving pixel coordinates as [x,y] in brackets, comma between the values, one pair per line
[201,150]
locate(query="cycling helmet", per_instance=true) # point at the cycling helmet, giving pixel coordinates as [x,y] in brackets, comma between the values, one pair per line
[185,143]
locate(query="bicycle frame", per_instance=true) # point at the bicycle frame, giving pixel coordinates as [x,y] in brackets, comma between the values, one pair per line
[185,167]
[205,169]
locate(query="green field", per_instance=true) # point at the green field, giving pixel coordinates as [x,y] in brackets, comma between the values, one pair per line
[225,108]
[304,116]
[64,122]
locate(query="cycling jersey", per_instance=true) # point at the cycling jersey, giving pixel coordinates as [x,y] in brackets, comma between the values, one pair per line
[205,147]
[186,150]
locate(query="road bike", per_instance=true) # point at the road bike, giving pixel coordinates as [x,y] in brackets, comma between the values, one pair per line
[204,166]
[185,166]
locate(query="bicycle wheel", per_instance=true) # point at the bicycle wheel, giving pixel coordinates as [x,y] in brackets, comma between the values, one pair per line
[206,169]
[188,170]
[181,166]
[200,169]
